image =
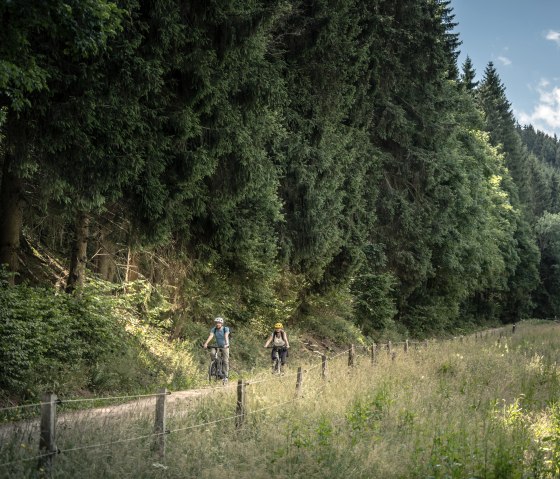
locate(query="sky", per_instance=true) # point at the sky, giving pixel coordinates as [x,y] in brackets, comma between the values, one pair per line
[522,39]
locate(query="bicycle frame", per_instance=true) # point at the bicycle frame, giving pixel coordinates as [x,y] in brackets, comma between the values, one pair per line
[276,364]
[215,371]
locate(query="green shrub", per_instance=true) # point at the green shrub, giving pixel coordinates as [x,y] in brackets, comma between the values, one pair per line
[333,328]
[101,339]
[46,336]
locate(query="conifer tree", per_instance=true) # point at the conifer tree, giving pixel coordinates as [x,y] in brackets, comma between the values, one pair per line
[468,75]
[38,40]
[412,122]
[328,159]
[501,125]
[228,92]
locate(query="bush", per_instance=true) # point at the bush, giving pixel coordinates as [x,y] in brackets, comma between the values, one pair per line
[101,339]
[46,337]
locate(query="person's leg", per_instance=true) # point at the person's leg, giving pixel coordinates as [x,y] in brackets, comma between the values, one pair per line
[225,361]
[283,354]
[275,354]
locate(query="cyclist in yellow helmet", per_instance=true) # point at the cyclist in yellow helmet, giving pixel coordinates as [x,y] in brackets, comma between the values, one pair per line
[279,340]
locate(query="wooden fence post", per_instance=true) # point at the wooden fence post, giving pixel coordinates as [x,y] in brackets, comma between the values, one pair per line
[351,355]
[240,409]
[324,366]
[390,349]
[406,346]
[426,343]
[299,381]
[159,423]
[47,440]
[513,328]
[373,353]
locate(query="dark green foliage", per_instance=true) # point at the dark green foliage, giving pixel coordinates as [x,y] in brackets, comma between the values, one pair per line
[468,75]
[47,49]
[523,257]
[269,158]
[500,124]
[328,161]
[46,340]
[219,182]
[548,234]
[375,305]
[542,180]
[34,33]
[544,147]
[105,340]
[422,210]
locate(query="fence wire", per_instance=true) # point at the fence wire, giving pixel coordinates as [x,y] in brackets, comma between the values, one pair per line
[130,419]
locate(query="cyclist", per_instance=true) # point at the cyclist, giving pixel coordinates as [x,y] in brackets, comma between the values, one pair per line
[221,333]
[279,340]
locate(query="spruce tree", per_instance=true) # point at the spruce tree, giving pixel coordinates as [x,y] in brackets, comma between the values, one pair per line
[468,75]
[38,42]
[501,125]
[328,162]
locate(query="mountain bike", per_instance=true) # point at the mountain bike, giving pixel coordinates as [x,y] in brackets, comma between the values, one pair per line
[276,362]
[215,370]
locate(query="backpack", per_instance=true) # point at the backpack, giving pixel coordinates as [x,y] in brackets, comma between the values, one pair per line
[282,337]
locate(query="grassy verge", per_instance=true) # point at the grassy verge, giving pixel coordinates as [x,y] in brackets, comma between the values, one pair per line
[457,409]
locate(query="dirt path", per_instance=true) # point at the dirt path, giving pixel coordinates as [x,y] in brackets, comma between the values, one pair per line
[28,430]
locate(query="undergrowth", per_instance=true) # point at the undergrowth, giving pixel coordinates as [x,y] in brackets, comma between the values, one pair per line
[104,339]
[483,407]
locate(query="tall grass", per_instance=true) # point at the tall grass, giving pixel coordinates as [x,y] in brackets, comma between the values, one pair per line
[485,408]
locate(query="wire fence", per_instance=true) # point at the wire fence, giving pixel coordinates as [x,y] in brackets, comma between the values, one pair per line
[57,432]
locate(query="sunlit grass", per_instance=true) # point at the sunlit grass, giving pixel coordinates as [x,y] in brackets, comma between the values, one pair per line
[467,408]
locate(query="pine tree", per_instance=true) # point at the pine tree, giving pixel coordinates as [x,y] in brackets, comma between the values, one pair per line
[328,160]
[451,39]
[468,75]
[501,125]
[38,41]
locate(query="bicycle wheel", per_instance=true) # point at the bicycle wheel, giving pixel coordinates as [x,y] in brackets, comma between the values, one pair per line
[213,371]
[276,363]
[219,368]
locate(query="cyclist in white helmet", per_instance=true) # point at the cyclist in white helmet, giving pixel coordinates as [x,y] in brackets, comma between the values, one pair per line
[221,333]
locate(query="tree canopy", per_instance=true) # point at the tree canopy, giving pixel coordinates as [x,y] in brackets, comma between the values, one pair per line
[266,158]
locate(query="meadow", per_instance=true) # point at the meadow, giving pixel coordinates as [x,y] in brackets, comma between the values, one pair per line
[483,406]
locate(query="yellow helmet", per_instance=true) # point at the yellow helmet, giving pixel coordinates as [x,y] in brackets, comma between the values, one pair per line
[278,326]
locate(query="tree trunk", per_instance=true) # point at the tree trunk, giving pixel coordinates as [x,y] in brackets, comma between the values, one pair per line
[132,270]
[78,260]
[105,260]
[11,217]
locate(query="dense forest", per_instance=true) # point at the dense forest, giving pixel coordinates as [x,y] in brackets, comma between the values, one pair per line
[279,159]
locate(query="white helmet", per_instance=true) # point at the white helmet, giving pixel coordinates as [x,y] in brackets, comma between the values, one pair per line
[219,320]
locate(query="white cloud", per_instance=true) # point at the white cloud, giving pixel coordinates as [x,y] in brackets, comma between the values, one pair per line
[546,115]
[553,36]
[504,60]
